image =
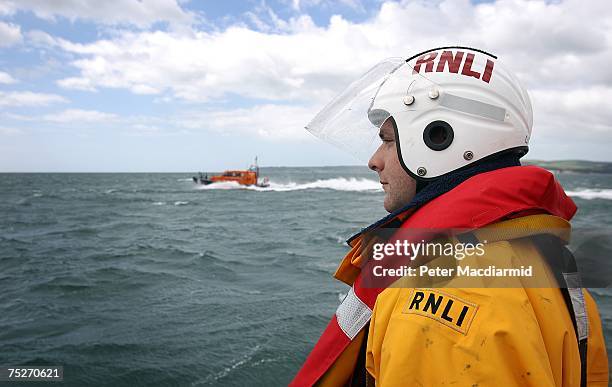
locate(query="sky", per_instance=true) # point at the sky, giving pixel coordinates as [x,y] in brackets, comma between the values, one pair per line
[178,85]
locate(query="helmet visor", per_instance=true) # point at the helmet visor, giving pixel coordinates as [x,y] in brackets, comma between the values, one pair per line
[348,121]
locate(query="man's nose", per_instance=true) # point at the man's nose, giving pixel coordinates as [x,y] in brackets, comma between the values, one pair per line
[376,163]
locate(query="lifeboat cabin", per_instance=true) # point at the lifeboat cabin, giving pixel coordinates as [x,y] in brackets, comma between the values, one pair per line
[248,177]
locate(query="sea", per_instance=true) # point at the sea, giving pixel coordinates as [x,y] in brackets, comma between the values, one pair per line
[148,279]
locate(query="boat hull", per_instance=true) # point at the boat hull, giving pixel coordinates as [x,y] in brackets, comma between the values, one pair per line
[201,181]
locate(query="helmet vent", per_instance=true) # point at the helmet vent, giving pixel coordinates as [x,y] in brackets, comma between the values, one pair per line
[438,135]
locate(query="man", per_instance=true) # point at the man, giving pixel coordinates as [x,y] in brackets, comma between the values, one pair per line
[454,124]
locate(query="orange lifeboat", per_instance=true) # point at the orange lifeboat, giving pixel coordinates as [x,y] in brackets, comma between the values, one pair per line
[243,177]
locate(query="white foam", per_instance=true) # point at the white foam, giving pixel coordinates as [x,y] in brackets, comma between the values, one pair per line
[179,203]
[159,203]
[337,184]
[221,185]
[244,359]
[590,194]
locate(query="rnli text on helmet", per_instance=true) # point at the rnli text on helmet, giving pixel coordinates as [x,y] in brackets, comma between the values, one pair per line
[453,62]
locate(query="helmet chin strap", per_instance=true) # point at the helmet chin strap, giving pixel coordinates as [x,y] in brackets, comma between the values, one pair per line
[420,184]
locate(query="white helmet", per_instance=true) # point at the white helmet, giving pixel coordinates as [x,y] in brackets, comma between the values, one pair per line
[452,107]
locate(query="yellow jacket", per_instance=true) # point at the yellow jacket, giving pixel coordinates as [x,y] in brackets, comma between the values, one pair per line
[486,337]
[452,333]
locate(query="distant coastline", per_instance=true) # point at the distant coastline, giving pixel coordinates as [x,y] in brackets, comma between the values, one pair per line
[582,166]
[578,166]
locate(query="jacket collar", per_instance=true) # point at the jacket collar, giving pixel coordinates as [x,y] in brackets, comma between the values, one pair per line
[439,187]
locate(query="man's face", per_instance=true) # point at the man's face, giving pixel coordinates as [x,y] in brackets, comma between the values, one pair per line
[399,187]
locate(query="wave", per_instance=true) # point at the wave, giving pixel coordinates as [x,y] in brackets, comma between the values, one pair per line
[337,184]
[246,358]
[590,194]
[180,203]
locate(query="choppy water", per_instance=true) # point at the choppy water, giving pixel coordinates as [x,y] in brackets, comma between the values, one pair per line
[145,279]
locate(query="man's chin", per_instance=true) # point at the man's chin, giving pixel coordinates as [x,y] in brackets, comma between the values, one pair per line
[391,205]
[388,205]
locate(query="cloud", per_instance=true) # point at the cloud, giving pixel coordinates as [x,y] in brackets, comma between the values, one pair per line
[565,113]
[6,78]
[141,13]
[308,62]
[286,69]
[6,8]
[80,116]
[10,34]
[28,98]
[270,121]
[10,131]
[299,5]
[76,84]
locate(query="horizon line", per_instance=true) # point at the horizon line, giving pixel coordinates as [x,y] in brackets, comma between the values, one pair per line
[289,166]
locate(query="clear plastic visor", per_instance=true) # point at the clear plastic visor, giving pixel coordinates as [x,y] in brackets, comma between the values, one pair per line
[347,122]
